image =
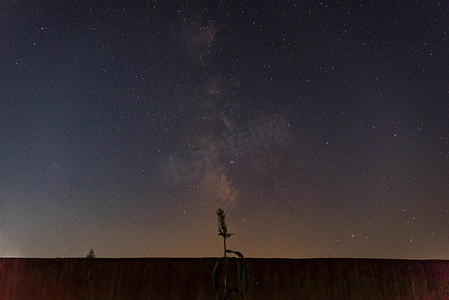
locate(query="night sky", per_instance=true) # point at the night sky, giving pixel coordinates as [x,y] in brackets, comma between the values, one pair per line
[320,127]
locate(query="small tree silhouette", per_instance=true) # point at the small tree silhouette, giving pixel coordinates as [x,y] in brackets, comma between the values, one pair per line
[91,254]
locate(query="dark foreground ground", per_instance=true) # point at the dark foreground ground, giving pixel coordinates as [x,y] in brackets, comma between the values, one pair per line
[190,278]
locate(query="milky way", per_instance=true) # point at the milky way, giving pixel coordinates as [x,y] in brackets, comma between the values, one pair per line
[320,128]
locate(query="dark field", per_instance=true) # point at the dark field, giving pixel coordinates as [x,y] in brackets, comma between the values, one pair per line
[190,278]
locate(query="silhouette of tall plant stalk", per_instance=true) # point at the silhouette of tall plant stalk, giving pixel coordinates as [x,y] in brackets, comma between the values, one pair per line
[242,267]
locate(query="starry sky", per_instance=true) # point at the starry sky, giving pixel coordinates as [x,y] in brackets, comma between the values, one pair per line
[320,127]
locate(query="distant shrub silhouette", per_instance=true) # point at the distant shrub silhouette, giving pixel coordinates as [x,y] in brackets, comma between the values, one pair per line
[91,254]
[242,265]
